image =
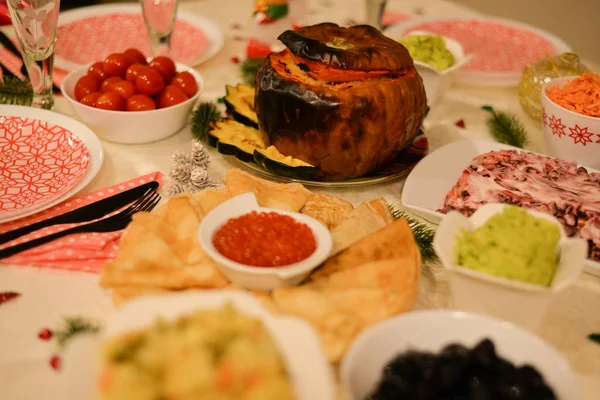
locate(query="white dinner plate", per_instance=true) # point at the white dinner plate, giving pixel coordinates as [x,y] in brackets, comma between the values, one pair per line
[89,139]
[501,48]
[430,181]
[90,34]
[296,339]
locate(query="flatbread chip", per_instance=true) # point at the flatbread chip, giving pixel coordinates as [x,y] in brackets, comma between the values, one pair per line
[336,327]
[365,219]
[282,196]
[395,240]
[329,210]
[211,198]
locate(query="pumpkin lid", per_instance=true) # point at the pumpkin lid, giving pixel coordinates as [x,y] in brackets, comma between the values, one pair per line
[360,47]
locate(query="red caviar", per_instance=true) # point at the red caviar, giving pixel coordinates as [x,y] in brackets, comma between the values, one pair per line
[265,239]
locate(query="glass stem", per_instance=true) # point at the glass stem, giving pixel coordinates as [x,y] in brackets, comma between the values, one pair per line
[40,76]
[375,10]
[161,44]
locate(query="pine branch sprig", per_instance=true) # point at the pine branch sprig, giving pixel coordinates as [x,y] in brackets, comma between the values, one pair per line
[248,69]
[422,232]
[15,91]
[506,128]
[74,326]
[202,116]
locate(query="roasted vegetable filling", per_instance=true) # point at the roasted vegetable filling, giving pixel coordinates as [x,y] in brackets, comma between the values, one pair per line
[315,73]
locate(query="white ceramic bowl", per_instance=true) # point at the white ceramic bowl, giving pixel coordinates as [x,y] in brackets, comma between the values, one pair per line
[296,340]
[132,127]
[519,302]
[567,134]
[432,330]
[438,82]
[262,278]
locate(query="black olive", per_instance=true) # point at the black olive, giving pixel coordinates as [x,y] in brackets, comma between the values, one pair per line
[484,354]
[413,366]
[529,374]
[542,393]
[393,388]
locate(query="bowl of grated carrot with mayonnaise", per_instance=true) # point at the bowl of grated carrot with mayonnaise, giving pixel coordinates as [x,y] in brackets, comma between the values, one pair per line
[571,118]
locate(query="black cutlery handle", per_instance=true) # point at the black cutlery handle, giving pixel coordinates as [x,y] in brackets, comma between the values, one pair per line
[86,213]
[12,250]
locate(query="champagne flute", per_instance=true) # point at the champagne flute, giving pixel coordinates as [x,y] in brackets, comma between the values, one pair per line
[35,24]
[375,10]
[160,17]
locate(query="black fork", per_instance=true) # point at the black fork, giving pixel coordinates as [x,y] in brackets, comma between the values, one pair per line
[113,223]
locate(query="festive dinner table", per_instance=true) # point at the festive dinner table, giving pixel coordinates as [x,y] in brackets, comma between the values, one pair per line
[48,295]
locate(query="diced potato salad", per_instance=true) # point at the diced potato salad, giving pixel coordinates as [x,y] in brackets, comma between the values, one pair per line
[216,355]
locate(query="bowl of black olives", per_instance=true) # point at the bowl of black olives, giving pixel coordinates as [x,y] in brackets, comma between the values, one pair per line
[439,354]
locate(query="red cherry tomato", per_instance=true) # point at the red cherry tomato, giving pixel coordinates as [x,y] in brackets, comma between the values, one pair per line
[111,101]
[133,71]
[170,96]
[116,65]
[165,66]
[109,84]
[140,102]
[135,56]
[97,71]
[149,81]
[124,88]
[86,85]
[90,99]
[187,82]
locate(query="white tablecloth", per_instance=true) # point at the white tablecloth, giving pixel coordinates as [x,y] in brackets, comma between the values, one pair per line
[49,295]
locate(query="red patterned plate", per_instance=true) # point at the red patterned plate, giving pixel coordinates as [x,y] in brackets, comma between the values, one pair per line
[500,48]
[39,161]
[89,34]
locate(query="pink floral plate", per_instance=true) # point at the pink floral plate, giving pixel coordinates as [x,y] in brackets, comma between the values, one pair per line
[500,48]
[89,34]
[39,161]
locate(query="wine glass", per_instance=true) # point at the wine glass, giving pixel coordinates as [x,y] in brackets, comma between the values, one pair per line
[375,10]
[35,24]
[160,16]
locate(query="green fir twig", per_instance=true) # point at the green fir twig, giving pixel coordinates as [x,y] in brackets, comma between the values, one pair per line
[74,326]
[423,233]
[506,128]
[594,337]
[15,91]
[202,116]
[248,69]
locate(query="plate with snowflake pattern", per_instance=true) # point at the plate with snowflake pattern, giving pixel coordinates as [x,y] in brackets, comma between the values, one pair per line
[501,48]
[41,160]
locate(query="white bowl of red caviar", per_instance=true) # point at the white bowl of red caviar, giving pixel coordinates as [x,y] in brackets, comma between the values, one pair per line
[263,248]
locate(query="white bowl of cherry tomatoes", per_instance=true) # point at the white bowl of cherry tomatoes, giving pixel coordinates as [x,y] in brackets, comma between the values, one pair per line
[129,99]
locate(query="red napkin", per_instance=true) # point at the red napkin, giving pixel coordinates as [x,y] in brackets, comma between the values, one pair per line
[78,252]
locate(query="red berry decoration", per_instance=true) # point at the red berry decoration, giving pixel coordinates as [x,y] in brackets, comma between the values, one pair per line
[45,334]
[55,363]
[460,123]
[7,296]
[235,60]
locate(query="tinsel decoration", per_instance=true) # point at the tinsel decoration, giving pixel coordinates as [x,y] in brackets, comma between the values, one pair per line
[536,75]
[190,171]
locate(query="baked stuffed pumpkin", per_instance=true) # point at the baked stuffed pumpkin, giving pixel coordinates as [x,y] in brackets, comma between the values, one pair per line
[345,100]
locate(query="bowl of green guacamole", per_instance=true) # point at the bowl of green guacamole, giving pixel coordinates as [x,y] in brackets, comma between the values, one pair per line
[437,59]
[507,261]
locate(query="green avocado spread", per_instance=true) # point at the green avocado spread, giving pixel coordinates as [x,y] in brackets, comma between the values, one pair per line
[514,245]
[429,49]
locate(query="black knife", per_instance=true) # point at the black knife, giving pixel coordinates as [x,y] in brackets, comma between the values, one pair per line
[89,212]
